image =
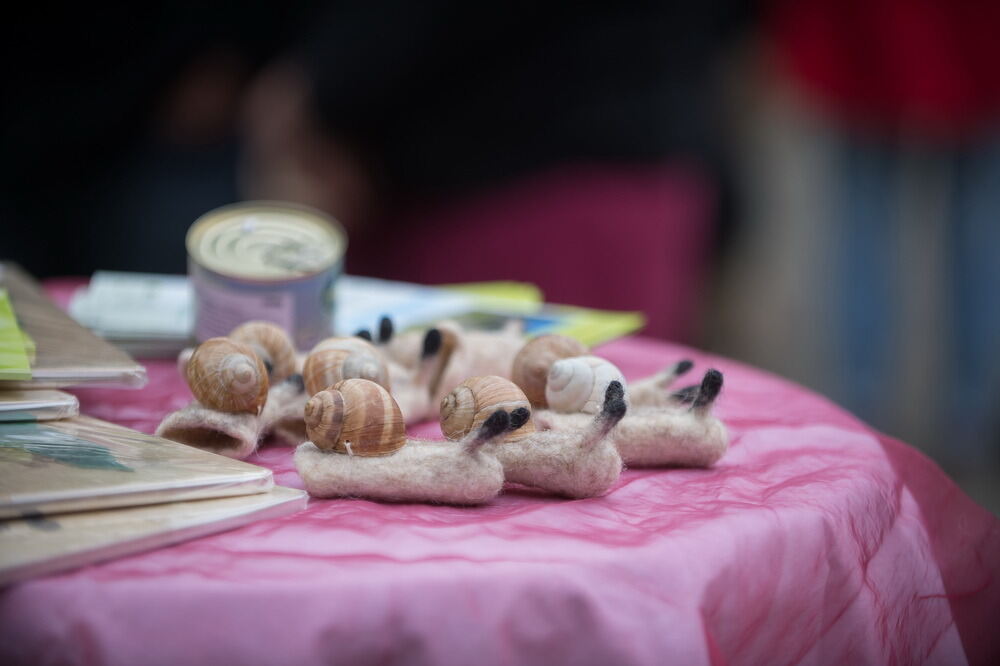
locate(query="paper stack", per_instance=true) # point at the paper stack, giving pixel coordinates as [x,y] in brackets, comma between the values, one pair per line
[76,490]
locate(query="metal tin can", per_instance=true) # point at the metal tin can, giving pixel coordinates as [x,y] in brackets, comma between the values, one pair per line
[265,260]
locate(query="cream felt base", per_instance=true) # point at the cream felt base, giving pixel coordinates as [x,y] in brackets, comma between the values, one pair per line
[283,415]
[410,389]
[656,437]
[651,437]
[476,354]
[578,462]
[232,435]
[237,435]
[421,471]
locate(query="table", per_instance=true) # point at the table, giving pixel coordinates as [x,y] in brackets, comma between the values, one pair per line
[813,540]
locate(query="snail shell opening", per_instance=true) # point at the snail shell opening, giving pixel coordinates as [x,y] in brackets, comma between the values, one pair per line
[578,384]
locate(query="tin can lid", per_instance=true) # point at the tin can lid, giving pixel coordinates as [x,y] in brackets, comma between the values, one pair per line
[266,241]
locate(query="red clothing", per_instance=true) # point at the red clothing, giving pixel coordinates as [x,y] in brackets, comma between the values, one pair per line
[926,65]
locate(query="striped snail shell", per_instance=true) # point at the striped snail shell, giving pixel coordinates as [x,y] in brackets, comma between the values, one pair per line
[271,343]
[335,359]
[227,376]
[470,403]
[578,384]
[532,363]
[357,417]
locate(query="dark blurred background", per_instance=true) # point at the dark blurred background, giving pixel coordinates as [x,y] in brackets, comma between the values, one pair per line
[812,186]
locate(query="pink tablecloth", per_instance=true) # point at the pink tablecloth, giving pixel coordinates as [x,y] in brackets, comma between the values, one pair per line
[814,540]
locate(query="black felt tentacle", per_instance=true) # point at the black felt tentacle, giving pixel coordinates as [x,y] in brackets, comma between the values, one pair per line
[519,417]
[432,343]
[711,385]
[614,407]
[687,394]
[495,425]
[385,330]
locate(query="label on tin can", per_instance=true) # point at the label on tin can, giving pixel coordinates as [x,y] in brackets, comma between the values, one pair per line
[225,309]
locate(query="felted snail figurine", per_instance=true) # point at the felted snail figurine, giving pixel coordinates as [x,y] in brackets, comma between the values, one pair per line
[227,376]
[470,403]
[271,344]
[538,357]
[577,461]
[358,448]
[335,359]
[246,387]
[662,428]
[684,433]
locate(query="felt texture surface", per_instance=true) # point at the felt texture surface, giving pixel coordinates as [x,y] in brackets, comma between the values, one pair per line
[813,540]
[475,354]
[421,471]
[283,417]
[231,435]
[237,435]
[411,390]
[655,436]
[575,462]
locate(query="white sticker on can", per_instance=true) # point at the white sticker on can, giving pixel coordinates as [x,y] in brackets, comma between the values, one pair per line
[220,310]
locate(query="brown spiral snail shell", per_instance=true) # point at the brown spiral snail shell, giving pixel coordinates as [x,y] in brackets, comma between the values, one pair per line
[271,343]
[336,359]
[470,403]
[227,376]
[531,365]
[357,417]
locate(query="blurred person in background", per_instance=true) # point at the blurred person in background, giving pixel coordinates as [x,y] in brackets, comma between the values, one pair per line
[563,144]
[867,268]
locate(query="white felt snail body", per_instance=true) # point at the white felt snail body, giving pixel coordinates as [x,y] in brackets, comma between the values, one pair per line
[470,403]
[227,376]
[336,359]
[578,384]
[358,448]
[271,344]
